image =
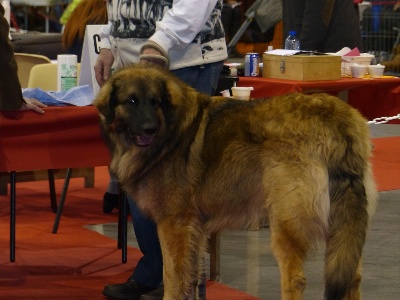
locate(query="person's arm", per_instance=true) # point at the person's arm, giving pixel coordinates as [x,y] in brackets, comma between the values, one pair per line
[105,36]
[182,23]
[10,87]
[177,29]
[105,60]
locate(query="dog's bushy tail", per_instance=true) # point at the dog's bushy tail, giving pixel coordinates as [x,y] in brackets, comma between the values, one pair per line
[353,196]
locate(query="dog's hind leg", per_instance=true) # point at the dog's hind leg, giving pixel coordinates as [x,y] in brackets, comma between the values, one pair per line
[290,255]
[298,217]
[182,246]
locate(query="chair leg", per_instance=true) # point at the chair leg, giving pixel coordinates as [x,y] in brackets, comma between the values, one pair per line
[12,215]
[62,200]
[214,250]
[52,188]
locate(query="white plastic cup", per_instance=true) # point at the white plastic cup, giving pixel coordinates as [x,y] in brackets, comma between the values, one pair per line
[358,71]
[66,72]
[225,93]
[233,71]
[241,93]
[376,71]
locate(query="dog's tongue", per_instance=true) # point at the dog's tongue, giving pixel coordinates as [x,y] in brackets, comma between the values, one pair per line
[145,139]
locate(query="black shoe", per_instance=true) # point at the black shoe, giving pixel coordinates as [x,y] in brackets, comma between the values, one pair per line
[128,290]
[110,201]
[158,294]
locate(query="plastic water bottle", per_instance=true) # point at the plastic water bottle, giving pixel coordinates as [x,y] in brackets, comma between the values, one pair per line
[292,42]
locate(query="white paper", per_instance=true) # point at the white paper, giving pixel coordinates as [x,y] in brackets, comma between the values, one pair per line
[282,52]
[90,52]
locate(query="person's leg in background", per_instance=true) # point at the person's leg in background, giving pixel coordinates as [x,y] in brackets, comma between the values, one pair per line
[111,196]
[147,275]
[148,272]
[149,269]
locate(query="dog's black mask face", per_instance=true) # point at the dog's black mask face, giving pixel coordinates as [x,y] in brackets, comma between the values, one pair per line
[142,120]
[137,113]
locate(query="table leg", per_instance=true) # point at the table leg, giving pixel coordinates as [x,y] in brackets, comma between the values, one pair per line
[343,95]
[12,215]
[47,27]
[62,200]
[123,226]
[214,245]
[52,188]
[26,11]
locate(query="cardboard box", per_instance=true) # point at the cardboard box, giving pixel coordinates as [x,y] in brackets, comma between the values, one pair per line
[362,59]
[302,67]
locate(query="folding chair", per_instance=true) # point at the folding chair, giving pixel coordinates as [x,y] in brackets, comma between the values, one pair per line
[25,63]
[44,76]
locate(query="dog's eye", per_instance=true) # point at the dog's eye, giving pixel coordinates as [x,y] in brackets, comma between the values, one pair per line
[133,100]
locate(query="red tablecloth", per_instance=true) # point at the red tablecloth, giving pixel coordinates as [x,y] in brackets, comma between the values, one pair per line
[64,137]
[372,97]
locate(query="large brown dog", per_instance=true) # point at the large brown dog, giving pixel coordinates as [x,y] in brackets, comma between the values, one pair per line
[197,164]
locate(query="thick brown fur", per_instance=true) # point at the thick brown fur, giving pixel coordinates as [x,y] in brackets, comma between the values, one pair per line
[198,164]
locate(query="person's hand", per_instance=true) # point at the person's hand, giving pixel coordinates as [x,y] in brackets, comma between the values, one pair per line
[33,104]
[152,54]
[102,68]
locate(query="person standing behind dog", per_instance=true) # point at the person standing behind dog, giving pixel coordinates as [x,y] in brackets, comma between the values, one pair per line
[188,38]
[10,87]
[323,25]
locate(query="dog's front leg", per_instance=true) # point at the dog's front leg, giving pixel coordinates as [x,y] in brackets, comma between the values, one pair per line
[178,245]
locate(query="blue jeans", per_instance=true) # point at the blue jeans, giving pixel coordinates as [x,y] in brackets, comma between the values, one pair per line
[203,78]
[149,270]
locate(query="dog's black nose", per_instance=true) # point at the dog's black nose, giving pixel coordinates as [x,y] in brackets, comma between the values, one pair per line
[150,130]
[149,127]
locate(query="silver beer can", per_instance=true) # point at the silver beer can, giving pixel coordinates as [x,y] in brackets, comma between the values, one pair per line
[251,64]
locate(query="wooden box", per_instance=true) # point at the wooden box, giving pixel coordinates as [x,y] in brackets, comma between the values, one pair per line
[302,67]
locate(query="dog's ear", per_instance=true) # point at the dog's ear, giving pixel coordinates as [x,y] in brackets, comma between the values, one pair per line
[112,102]
[106,102]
